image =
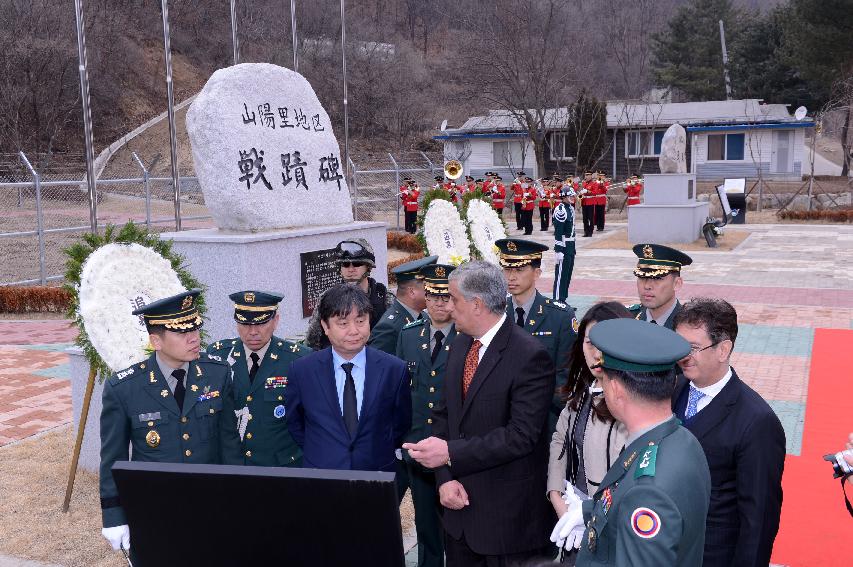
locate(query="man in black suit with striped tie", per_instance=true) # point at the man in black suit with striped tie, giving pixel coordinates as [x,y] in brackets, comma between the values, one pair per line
[490,438]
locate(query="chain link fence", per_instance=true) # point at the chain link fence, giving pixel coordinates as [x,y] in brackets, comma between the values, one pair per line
[46,209]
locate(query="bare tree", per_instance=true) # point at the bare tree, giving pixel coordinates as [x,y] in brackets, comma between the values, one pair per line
[520,60]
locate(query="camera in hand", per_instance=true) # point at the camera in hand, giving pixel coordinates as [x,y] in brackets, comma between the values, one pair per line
[840,467]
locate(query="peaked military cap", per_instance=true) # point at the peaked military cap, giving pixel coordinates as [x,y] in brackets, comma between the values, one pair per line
[409,270]
[515,252]
[469,178]
[254,307]
[657,260]
[435,278]
[178,313]
[439,178]
[479,181]
[520,173]
[637,346]
[497,177]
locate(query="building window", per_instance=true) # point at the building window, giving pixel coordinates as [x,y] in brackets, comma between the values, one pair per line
[561,147]
[508,154]
[642,143]
[725,147]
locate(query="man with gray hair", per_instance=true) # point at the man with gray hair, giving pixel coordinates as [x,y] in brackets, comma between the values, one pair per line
[490,443]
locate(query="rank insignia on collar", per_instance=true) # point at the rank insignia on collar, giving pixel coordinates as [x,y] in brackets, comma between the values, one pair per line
[279,343]
[152,379]
[630,459]
[273,356]
[164,393]
[194,388]
[531,322]
[142,366]
[540,310]
[424,346]
[294,347]
[391,316]
[198,370]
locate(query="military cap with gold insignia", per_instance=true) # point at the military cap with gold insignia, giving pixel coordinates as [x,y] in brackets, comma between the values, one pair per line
[515,252]
[178,313]
[435,278]
[636,346]
[255,307]
[409,271]
[656,260]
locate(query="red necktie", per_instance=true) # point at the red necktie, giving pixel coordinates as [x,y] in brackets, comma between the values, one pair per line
[472,359]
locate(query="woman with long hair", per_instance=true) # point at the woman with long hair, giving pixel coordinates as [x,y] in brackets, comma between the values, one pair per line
[588,439]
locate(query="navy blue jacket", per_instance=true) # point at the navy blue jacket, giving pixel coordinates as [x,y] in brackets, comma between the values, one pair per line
[316,421]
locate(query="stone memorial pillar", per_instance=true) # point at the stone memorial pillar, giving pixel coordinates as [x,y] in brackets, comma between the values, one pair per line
[273,178]
[670,212]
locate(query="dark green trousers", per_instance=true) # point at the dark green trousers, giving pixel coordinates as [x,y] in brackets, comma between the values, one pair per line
[427,519]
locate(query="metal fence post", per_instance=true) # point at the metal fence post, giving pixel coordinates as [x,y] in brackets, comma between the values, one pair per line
[431,166]
[353,176]
[39,218]
[173,137]
[396,185]
[147,184]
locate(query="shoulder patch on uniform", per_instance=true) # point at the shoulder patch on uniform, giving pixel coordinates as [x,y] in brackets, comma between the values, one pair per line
[645,522]
[415,323]
[212,358]
[646,466]
[559,304]
[122,375]
[575,324]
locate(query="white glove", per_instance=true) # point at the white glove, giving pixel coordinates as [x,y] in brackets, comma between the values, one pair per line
[568,523]
[118,536]
[399,454]
[558,257]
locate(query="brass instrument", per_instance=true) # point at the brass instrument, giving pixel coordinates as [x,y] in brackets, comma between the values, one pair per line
[453,169]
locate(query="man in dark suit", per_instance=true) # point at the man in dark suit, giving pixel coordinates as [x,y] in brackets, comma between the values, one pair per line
[348,406]
[658,274]
[742,438]
[490,443]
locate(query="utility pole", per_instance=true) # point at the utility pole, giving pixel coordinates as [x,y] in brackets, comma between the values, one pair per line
[725,62]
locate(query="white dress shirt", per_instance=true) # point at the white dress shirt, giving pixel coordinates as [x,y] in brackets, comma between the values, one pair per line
[712,390]
[487,337]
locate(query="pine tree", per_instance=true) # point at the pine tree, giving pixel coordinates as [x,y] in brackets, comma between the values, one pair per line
[687,55]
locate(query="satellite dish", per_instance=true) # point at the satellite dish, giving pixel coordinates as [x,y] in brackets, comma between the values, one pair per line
[443,126]
[800,113]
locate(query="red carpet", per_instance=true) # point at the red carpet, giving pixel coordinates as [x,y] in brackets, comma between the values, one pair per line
[816,529]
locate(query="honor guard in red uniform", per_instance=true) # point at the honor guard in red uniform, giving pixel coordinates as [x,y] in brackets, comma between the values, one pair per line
[586,195]
[600,200]
[470,183]
[439,182]
[545,203]
[517,197]
[409,194]
[498,193]
[528,203]
[633,188]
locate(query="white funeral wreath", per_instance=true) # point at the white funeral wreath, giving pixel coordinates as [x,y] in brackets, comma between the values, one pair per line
[445,233]
[485,227]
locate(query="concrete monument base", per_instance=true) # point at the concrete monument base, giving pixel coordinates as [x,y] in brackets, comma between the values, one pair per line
[662,224]
[90,451]
[227,261]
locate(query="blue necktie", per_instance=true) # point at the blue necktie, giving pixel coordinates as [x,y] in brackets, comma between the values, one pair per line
[693,402]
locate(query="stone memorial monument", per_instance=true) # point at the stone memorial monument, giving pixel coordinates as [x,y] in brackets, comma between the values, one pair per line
[273,178]
[670,212]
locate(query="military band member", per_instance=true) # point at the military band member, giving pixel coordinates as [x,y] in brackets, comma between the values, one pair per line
[470,184]
[633,188]
[553,323]
[545,204]
[517,197]
[599,200]
[259,362]
[176,406]
[586,196]
[528,203]
[406,308]
[498,193]
[658,274]
[439,182]
[564,243]
[651,506]
[424,345]
[409,194]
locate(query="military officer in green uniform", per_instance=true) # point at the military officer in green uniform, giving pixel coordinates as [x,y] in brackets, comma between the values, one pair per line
[651,506]
[423,345]
[259,362]
[174,407]
[658,274]
[405,309]
[552,322]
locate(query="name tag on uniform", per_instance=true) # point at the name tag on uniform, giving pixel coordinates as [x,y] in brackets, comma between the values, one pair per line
[149,416]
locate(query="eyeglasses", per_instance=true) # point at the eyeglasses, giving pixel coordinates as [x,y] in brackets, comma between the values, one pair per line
[351,264]
[696,350]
